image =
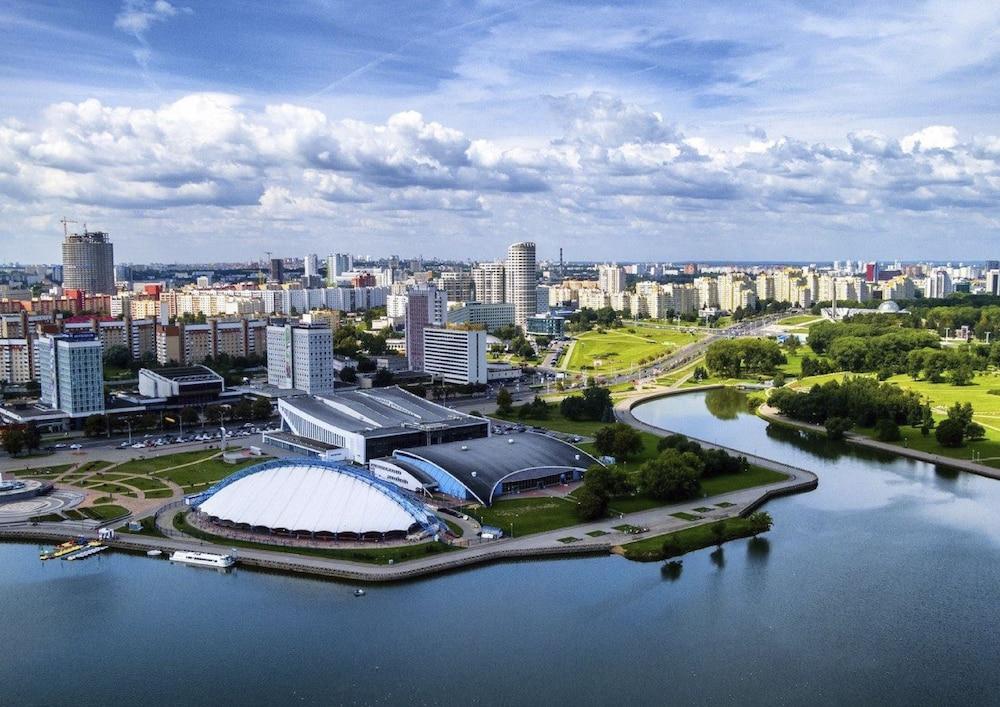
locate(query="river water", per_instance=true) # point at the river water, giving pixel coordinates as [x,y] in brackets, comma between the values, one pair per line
[879,586]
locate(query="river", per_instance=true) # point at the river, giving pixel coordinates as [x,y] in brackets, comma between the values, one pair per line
[877,587]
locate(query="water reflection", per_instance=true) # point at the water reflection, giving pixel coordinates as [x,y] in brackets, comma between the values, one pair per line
[672,570]
[725,403]
[758,549]
[718,557]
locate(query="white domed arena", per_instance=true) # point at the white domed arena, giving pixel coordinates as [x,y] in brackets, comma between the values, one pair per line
[308,498]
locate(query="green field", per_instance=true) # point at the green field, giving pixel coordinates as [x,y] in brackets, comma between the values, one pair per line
[44,470]
[555,421]
[528,515]
[800,319]
[688,540]
[205,472]
[154,464]
[104,512]
[614,350]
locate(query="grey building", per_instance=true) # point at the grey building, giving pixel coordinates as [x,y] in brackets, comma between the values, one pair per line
[89,262]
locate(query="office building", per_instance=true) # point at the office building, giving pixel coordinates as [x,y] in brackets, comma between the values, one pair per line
[300,357]
[479,314]
[546,325]
[336,265]
[277,270]
[71,373]
[310,265]
[521,279]
[455,355]
[426,306]
[938,284]
[89,263]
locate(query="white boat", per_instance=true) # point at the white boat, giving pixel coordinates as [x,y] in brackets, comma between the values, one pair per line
[359,592]
[203,559]
[153,553]
[85,553]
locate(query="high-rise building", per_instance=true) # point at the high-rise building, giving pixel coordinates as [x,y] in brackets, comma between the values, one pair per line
[89,262]
[521,280]
[310,265]
[938,284]
[71,373]
[426,306]
[336,265]
[300,357]
[488,283]
[456,355]
[277,270]
[993,282]
[611,278]
[458,286]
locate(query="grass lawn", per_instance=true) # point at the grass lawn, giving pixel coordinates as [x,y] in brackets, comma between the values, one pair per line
[145,483]
[112,488]
[154,464]
[555,421]
[44,470]
[206,472]
[377,555]
[597,533]
[165,493]
[106,476]
[685,516]
[756,476]
[621,349]
[687,540]
[104,512]
[528,515]
[799,319]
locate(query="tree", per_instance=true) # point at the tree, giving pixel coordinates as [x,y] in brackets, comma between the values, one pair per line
[504,401]
[117,356]
[837,427]
[262,409]
[673,476]
[242,410]
[214,414]
[950,432]
[618,440]
[779,379]
[760,522]
[961,375]
[718,530]
[93,425]
[382,378]
[13,441]
[887,431]
[32,437]
[189,415]
[348,375]
[591,504]
[975,431]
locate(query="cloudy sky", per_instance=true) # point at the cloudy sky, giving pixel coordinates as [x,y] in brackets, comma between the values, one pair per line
[206,130]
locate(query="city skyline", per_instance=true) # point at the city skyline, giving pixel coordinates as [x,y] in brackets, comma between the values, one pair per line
[638,128]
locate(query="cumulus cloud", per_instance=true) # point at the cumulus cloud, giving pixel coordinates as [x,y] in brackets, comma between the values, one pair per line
[614,163]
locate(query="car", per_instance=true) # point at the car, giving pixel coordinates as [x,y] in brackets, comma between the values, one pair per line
[60,446]
[123,445]
[76,446]
[577,439]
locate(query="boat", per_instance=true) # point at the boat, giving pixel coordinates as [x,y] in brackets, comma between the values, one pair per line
[66,548]
[359,592]
[203,559]
[92,549]
[153,553]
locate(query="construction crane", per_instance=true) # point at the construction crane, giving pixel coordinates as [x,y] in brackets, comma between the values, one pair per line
[64,221]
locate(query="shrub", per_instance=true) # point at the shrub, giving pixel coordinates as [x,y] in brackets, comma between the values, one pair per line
[949,433]
[887,431]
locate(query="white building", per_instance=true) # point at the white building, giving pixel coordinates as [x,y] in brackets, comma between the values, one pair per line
[300,357]
[455,355]
[488,283]
[611,278]
[938,285]
[489,316]
[993,282]
[521,281]
[15,361]
[71,373]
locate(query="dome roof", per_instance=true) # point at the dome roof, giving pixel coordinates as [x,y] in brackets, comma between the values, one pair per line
[888,307]
[312,496]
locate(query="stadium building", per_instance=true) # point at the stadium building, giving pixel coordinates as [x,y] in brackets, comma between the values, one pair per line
[310,498]
[361,425]
[484,469]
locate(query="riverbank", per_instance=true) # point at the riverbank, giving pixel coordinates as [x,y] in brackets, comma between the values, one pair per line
[772,415]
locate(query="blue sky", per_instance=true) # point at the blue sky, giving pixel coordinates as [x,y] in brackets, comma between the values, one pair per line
[615,130]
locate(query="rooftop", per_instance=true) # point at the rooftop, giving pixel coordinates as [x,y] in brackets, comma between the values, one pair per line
[480,464]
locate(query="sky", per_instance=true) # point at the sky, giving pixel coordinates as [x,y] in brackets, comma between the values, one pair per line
[217,130]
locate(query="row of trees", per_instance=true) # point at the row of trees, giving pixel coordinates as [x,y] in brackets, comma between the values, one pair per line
[21,439]
[241,411]
[734,357]
[861,400]
[594,404]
